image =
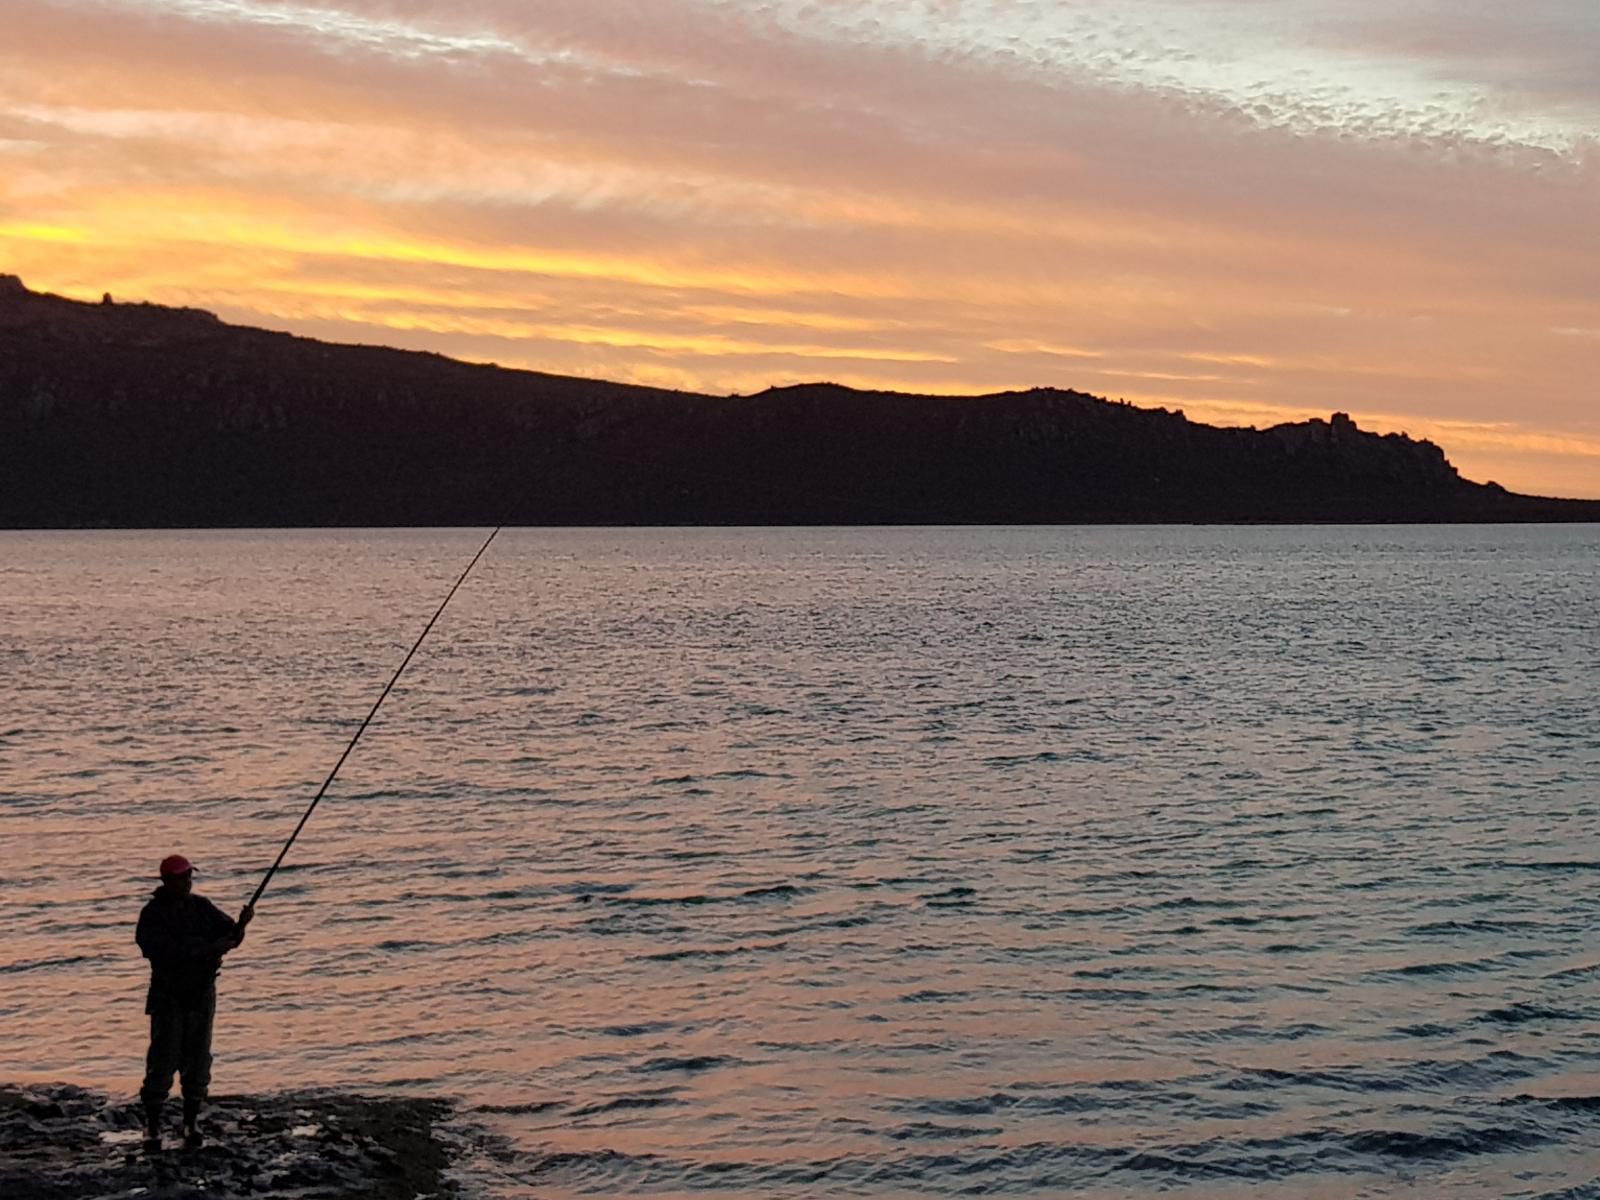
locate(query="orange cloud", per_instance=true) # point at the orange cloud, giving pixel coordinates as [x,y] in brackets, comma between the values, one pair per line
[724,202]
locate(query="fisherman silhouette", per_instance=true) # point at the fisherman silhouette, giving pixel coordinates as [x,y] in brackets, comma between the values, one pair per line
[184,936]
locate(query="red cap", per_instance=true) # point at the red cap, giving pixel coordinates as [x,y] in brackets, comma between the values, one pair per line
[175,864]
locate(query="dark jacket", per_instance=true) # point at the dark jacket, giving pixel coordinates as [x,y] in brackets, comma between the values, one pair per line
[178,934]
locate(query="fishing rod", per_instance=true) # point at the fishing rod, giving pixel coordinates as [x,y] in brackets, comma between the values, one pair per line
[317,799]
[885,509]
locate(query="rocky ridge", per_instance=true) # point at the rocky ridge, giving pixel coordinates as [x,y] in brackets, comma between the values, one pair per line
[117,414]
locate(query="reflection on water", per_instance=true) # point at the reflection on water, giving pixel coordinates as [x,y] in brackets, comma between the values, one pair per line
[871,862]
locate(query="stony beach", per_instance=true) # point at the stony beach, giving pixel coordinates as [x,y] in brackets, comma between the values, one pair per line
[59,1142]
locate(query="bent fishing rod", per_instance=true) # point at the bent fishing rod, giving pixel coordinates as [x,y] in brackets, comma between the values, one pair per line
[384,695]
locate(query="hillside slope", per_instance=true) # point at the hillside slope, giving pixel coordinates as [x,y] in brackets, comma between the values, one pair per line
[140,415]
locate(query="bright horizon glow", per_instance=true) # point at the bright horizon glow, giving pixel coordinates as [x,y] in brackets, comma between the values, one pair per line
[1255,213]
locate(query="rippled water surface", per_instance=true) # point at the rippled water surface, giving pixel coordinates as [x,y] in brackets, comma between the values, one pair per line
[845,862]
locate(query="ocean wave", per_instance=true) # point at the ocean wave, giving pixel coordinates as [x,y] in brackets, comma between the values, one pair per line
[1037,1167]
[47,964]
[627,1103]
[1523,1013]
[686,1064]
[775,891]
[711,952]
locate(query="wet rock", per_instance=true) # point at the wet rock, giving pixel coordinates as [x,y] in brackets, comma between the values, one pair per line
[59,1142]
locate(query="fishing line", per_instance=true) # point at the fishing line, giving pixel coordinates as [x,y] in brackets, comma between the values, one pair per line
[907,513]
[306,816]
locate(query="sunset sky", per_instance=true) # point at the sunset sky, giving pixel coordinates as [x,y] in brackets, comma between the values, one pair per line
[1253,210]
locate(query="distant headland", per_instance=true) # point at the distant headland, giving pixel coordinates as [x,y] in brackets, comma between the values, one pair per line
[140,415]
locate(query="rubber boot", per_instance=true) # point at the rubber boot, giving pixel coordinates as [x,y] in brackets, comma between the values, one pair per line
[152,1125]
[192,1138]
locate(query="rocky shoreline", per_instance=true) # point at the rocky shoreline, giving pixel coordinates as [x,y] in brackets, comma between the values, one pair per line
[60,1142]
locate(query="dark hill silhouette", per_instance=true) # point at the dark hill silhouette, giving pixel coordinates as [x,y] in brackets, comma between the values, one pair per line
[141,415]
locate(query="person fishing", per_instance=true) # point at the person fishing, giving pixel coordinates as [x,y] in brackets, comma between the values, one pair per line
[184,936]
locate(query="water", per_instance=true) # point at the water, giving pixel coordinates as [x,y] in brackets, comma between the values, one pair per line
[845,862]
